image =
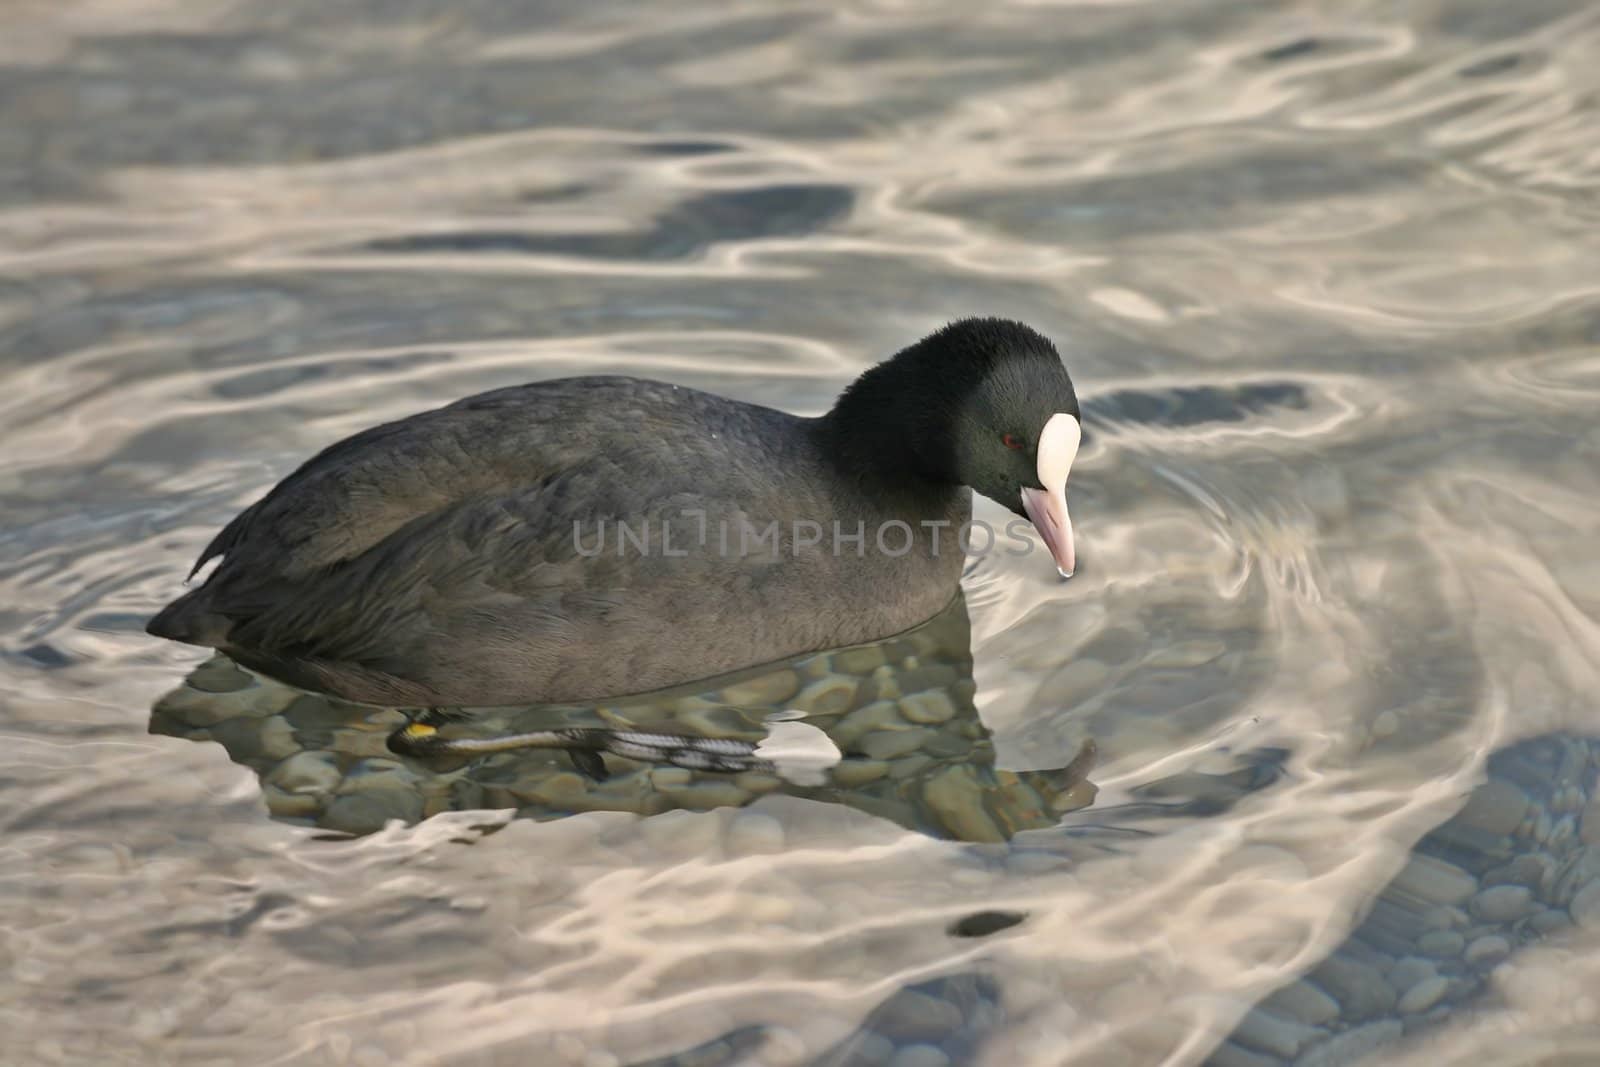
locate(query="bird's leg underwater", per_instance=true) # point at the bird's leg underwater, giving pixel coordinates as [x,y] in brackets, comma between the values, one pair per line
[585,745]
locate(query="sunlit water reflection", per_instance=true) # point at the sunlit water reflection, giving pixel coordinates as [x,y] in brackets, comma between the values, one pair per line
[1324,275]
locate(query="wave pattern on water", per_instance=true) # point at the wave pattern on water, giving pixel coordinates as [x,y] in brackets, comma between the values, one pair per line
[1325,276]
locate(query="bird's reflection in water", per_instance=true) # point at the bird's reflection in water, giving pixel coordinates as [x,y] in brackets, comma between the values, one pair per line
[888,728]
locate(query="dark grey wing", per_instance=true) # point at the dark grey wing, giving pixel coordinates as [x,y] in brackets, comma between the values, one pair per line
[358,491]
[288,495]
[457,576]
[388,494]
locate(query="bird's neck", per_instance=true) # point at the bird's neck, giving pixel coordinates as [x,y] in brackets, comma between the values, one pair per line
[882,433]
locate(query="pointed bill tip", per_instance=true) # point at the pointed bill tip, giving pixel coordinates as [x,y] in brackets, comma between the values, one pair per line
[1047,510]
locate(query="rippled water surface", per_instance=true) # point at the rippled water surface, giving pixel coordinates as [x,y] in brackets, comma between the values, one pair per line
[1326,276]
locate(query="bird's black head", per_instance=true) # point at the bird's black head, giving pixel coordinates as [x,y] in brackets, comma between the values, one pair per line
[984,403]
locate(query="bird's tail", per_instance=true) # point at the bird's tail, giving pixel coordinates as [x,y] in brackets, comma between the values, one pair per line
[190,619]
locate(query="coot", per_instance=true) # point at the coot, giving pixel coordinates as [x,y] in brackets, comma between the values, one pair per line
[584,538]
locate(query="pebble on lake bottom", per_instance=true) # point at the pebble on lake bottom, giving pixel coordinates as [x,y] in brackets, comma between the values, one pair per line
[306,772]
[1424,995]
[1303,1001]
[1486,950]
[1442,943]
[1585,906]
[1502,903]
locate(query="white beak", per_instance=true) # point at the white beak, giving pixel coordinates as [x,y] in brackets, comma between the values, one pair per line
[1047,507]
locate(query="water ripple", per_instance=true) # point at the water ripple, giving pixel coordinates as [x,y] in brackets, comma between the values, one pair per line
[1325,279]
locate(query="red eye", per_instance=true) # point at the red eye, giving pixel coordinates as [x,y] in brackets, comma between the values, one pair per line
[1011,441]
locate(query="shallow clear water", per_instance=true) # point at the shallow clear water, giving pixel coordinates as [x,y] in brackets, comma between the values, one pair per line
[1325,276]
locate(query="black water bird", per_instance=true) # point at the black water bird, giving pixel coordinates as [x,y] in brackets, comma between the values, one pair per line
[585,538]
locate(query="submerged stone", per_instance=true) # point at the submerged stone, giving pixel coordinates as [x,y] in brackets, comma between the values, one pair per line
[1360,988]
[1424,995]
[1502,903]
[1497,806]
[306,772]
[1304,1002]
[1434,880]
[1267,1032]
[932,706]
